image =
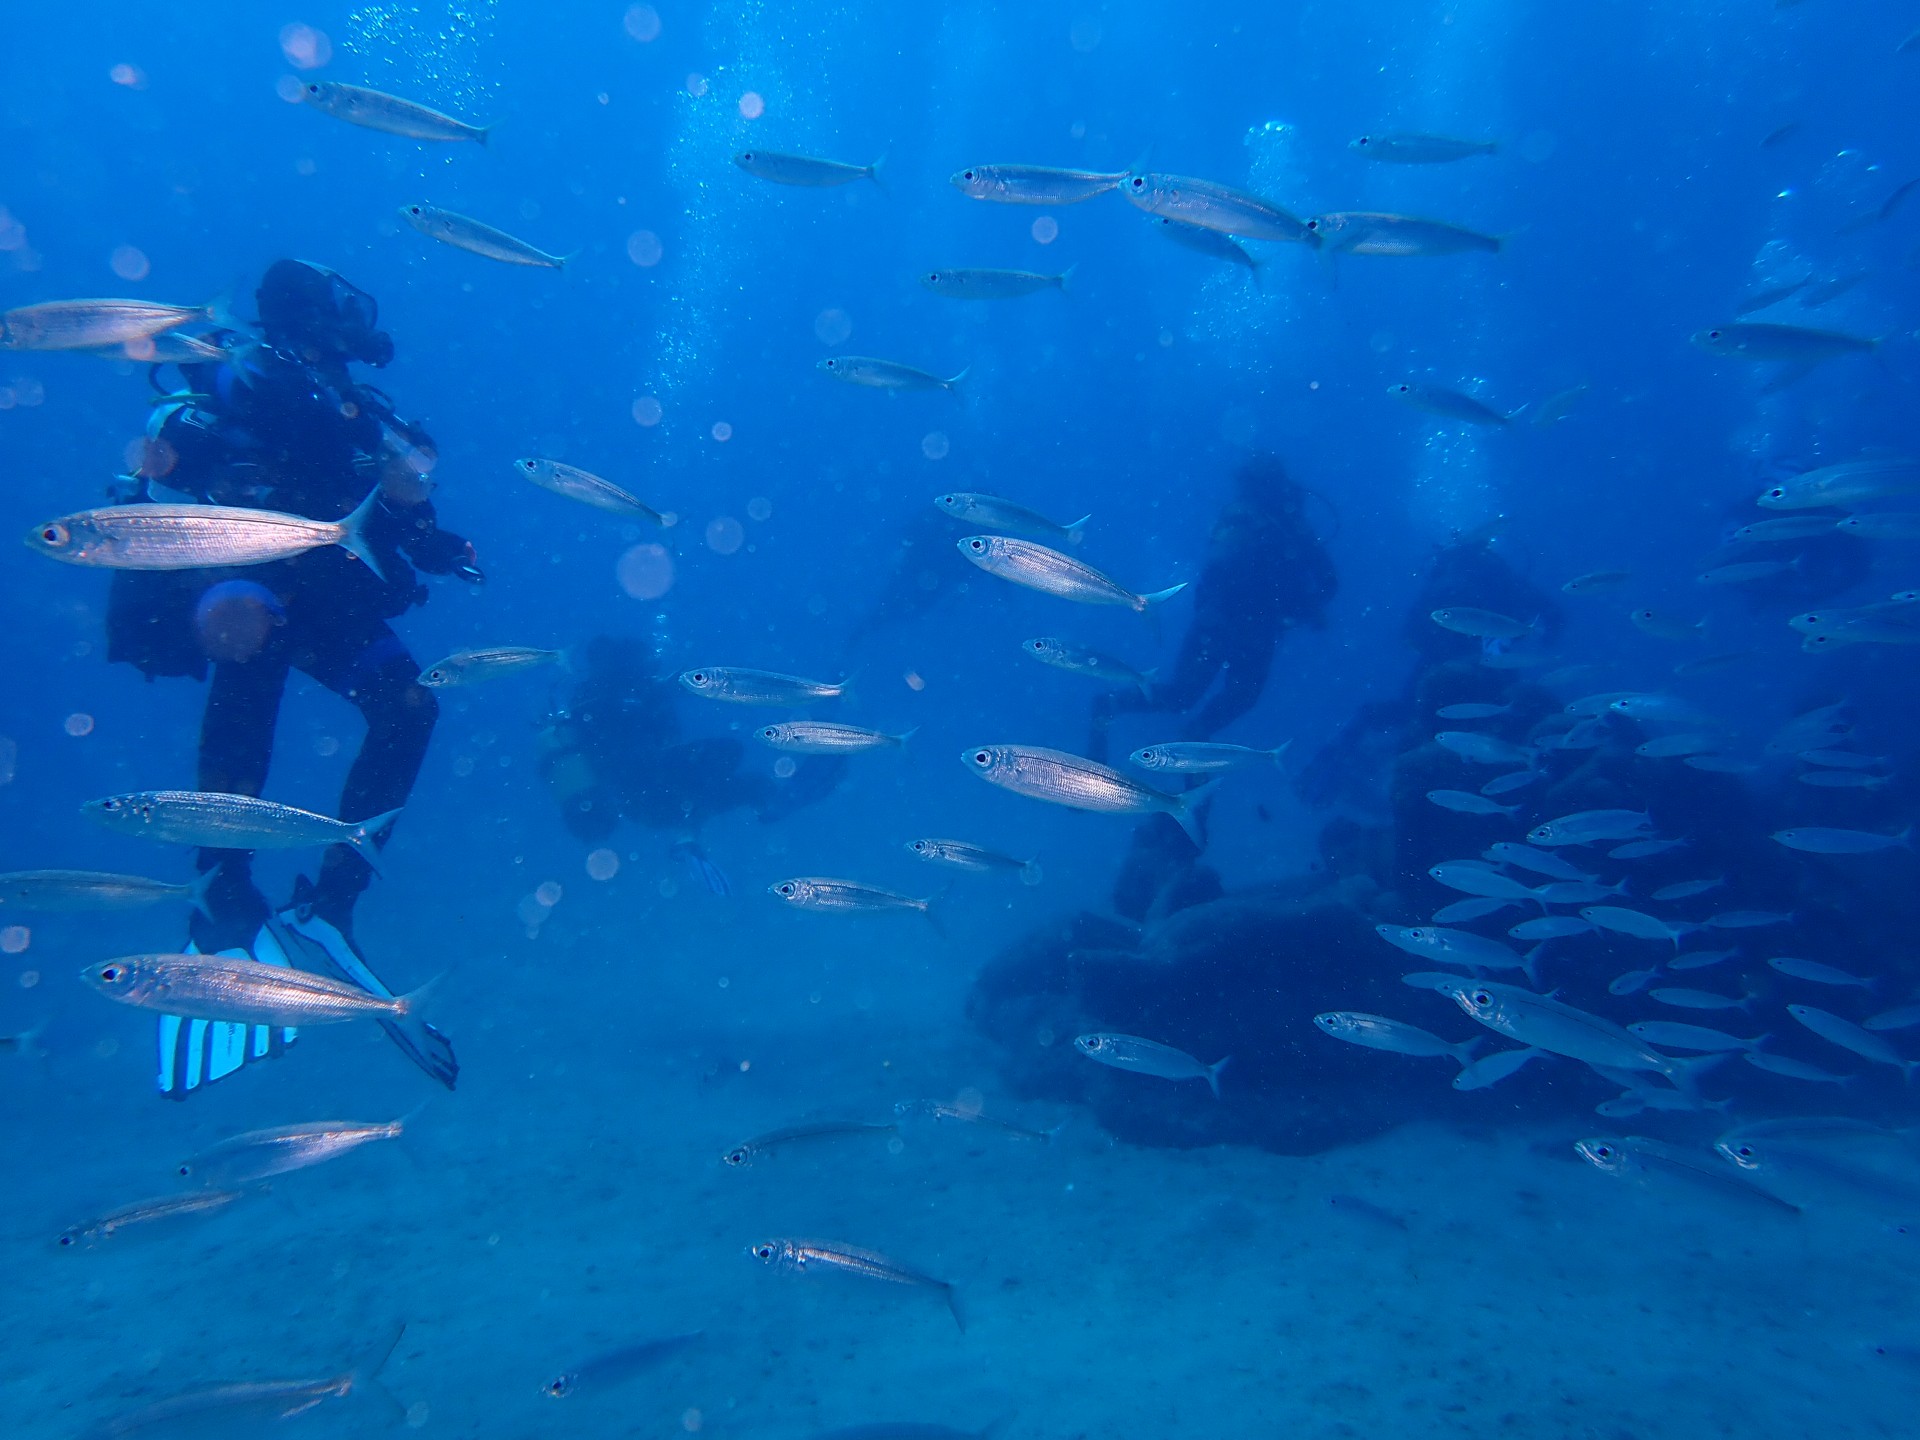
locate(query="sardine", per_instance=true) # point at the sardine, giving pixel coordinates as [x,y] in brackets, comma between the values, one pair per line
[94,324]
[977,859]
[196,537]
[973,1115]
[1448,404]
[1635,1156]
[1364,232]
[1217,207]
[1204,757]
[617,1365]
[230,822]
[806,171]
[1848,1036]
[259,1154]
[1149,1057]
[824,737]
[964,284]
[1053,573]
[78,891]
[1676,1035]
[143,1212]
[1479,624]
[586,487]
[739,686]
[477,237]
[872,374]
[1852,482]
[1792,344]
[998,514]
[1377,1032]
[1034,184]
[389,114]
[1081,784]
[1465,802]
[1548,1024]
[1416,149]
[747,1151]
[799,1257]
[1078,659]
[846,897]
[240,992]
[1211,243]
[1824,840]
[473,667]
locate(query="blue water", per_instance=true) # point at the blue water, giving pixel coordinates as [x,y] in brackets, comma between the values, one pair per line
[1341,1244]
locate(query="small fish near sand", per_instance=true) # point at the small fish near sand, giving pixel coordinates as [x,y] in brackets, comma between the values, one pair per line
[761,1146]
[1149,1057]
[260,1154]
[614,1367]
[146,1212]
[477,237]
[803,1257]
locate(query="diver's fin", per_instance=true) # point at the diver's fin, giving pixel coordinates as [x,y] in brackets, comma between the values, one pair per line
[197,1052]
[352,537]
[325,950]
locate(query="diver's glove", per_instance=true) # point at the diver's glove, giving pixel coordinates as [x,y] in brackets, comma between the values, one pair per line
[441,552]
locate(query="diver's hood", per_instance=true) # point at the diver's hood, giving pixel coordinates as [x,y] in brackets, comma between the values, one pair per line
[306,306]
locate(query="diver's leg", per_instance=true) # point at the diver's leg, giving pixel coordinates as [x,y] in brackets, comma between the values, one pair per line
[369,666]
[236,749]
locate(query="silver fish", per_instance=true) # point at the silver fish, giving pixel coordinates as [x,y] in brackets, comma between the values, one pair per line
[1852,482]
[1748,919]
[1455,947]
[1474,907]
[1669,747]
[617,1365]
[999,514]
[1577,892]
[1555,408]
[1596,582]
[1479,624]
[79,891]
[1408,148]
[824,737]
[144,1212]
[1472,746]
[1517,780]
[1082,784]
[1844,759]
[1471,710]
[1746,572]
[798,1257]
[1816,973]
[1666,627]
[168,347]
[1213,206]
[1540,862]
[806,171]
[196,537]
[389,114]
[1848,1036]
[1492,1069]
[1465,802]
[1548,1024]
[1687,889]
[1824,840]
[1034,184]
[1904,1017]
[738,686]
[1204,757]
[1635,1156]
[1793,344]
[1367,232]
[1682,998]
[1623,921]
[976,859]
[747,1151]
[846,897]
[94,324]
[472,667]
[1676,1035]
[1893,525]
[586,487]
[1077,659]
[965,284]
[477,237]
[1700,959]
[230,822]
[1641,849]
[1784,527]
[1377,1032]
[1791,1069]
[1052,573]
[241,992]
[259,1154]
[1587,826]
[872,374]
[1551,927]
[1211,243]
[1447,404]
[1149,1057]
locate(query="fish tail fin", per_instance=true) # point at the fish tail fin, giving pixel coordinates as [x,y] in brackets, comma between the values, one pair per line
[1279,753]
[352,536]
[1687,1073]
[219,311]
[483,133]
[904,736]
[1463,1052]
[1213,1073]
[1254,268]
[367,833]
[954,383]
[1077,531]
[1145,682]
[1030,873]
[414,1002]
[1187,811]
[873,174]
[954,1307]
[560,262]
[1065,275]
[197,891]
[366,1370]
[1531,964]
[845,687]
[937,917]
[1155,597]
[28,1040]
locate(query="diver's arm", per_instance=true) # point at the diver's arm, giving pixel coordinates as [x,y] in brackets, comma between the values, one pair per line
[436,551]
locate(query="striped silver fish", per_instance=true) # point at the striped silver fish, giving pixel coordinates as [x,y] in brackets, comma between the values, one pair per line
[845,897]
[1082,784]
[958,283]
[389,114]
[1052,573]
[747,1151]
[805,170]
[230,822]
[471,667]
[64,892]
[976,859]
[477,237]
[799,1257]
[739,686]
[258,1154]
[998,514]
[196,537]
[241,992]
[145,1212]
[94,324]
[1034,184]
[1216,207]
[586,487]
[874,374]
[824,737]
[1365,232]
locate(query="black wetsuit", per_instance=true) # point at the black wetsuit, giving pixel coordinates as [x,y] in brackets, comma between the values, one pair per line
[266,429]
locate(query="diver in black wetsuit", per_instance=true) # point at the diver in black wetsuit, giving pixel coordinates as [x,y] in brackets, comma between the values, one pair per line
[278,423]
[1266,571]
[617,751]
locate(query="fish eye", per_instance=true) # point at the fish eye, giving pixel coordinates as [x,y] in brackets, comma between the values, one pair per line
[978,547]
[1714,334]
[746,155]
[787,889]
[1364,140]
[1146,754]
[111,973]
[54,534]
[1745,1152]
[935,277]
[186,1170]
[765,1252]
[699,677]
[1137,183]
[966,174]
[313,89]
[981,757]
[1313,224]
[830,364]
[557,1388]
[436,675]
[1603,1152]
[413,209]
[734,1157]
[1481,997]
[66,1238]
[919,847]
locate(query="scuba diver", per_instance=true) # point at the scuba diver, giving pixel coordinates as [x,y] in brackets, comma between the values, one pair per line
[616,751]
[1266,572]
[278,423]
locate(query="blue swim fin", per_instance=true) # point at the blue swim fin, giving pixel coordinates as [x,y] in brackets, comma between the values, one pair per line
[197,1052]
